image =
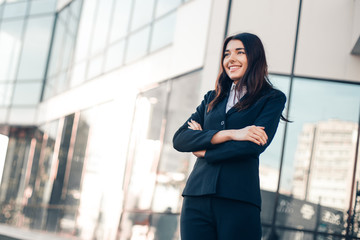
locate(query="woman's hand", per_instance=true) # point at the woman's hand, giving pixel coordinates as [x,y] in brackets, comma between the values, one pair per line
[252,133]
[200,154]
[255,134]
[194,125]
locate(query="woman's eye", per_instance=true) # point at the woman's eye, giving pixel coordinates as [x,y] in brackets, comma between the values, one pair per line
[241,52]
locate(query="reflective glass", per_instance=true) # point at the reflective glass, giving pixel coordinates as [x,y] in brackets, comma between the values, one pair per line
[85,30]
[42,6]
[15,9]
[137,45]
[270,159]
[49,90]
[174,166]
[10,46]
[120,21]
[56,50]
[75,8]
[136,225]
[102,25]
[67,51]
[142,14]
[319,155]
[27,93]
[165,6]
[95,67]
[64,15]
[163,32]
[78,74]
[103,172]
[145,148]
[6,92]
[115,55]
[3,117]
[36,47]
[73,25]
[61,82]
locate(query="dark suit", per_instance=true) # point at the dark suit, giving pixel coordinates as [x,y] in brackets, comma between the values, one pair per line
[229,170]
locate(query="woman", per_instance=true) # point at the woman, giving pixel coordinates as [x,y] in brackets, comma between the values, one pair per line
[231,127]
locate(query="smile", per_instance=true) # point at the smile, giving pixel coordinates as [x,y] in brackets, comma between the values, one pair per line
[234,68]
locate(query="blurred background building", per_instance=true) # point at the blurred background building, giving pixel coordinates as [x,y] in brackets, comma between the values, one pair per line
[92,91]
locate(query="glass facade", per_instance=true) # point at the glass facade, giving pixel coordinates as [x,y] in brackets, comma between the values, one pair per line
[105,172]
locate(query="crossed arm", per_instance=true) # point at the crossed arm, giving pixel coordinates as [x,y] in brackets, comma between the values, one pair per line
[219,145]
[255,134]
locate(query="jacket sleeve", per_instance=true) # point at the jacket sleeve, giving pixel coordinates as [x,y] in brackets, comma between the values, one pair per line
[188,140]
[269,118]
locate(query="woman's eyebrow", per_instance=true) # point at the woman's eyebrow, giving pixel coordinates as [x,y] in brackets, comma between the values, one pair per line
[237,49]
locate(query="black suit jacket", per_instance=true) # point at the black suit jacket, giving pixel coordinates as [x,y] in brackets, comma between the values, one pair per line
[229,169]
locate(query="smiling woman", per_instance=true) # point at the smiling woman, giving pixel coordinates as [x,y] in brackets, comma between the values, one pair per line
[231,127]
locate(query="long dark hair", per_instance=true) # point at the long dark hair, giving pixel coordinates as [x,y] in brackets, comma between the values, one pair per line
[255,78]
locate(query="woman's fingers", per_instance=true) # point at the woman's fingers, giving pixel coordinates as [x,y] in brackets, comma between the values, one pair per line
[194,125]
[257,135]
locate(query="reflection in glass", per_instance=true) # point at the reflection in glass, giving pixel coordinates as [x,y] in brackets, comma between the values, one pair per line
[78,74]
[120,21]
[137,45]
[15,9]
[56,49]
[36,47]
[320,153]
[85,30]
[101,25]
[165,6]
[143,13]
[163,32]
[6,91]
[10,46]
[75,8]
[115,55]
[95,67]
[146,143]
[42,6]
[27,93]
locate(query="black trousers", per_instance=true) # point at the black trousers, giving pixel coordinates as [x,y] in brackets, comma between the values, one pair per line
[214,218]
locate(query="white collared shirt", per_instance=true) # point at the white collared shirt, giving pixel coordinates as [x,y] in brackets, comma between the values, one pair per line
[234,96]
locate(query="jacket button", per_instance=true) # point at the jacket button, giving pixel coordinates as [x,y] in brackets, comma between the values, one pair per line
[222,123]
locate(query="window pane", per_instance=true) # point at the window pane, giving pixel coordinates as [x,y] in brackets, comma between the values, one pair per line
[165,6]
[27,93]
[75,8]
[85,29]
[120,20]
[10,47]
[115,56]
[174,166]
[6,91]
[270,160]
[320,151]
[95,67]
[36,47]
[142,14]
[78,74]
[102,25]
[67,51]
[137,45]
[42,6]
[146,146]
[163,32]
[15,9]
[56,50]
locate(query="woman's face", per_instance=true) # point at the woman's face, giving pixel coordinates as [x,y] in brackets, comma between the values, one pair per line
[235,60]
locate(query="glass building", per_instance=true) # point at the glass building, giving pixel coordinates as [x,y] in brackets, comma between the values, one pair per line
[91,93]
